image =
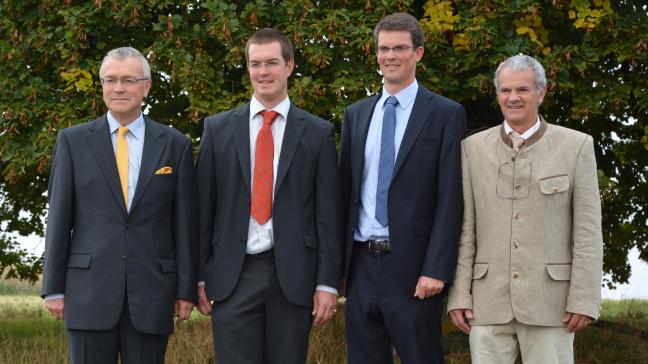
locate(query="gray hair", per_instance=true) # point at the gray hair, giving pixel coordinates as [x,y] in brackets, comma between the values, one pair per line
[520,63]
[127,52]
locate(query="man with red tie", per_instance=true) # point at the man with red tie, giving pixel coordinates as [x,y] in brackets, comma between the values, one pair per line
[270,228]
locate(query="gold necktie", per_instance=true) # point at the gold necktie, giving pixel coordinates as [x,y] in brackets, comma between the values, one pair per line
[122,161]
[516,140]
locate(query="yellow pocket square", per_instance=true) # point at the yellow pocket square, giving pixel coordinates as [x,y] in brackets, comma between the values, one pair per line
[164,170]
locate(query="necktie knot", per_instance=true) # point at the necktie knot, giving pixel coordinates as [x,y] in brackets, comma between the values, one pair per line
[517,141]
[269,116]
[391,100]
[122,131]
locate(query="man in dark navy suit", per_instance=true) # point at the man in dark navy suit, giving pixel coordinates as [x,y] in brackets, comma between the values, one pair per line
[401,182]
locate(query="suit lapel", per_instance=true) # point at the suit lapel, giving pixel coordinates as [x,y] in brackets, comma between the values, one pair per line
[294,128]
[418,118]
[153,147]
[102,149]
[241,130]
[358,155]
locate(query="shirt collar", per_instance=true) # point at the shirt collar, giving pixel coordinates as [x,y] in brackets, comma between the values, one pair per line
[405,96]
[527,134]
[136,127]
[282,108]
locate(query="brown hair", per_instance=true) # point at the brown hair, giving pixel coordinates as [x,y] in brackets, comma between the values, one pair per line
[404,22]
[269,35]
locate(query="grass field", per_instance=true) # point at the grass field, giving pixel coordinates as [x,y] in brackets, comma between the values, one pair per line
[28,335]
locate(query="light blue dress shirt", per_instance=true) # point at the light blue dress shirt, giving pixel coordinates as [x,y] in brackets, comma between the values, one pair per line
[368,227]
[135,140]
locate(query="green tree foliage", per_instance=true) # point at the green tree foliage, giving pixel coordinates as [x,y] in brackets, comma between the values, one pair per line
[595,55]
[50,51]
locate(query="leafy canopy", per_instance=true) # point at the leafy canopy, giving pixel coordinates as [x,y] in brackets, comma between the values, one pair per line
[594,53]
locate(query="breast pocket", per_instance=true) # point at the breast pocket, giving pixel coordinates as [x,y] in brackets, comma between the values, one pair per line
[514,179]
[554,184]
[163,184]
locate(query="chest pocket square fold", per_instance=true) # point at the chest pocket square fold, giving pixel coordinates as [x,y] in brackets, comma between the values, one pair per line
[164,170]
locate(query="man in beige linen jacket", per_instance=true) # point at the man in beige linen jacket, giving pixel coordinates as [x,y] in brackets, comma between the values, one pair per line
[530,254]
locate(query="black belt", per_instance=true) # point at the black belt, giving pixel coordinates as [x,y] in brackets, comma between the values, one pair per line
[262,255]
[377,246]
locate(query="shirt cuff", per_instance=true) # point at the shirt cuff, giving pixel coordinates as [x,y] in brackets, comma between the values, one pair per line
[201,284]
[325,288]
[54,296]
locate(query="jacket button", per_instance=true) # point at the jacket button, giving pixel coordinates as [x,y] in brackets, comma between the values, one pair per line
[516,216]
[555,189]
[244,239]
[513,159]
[515,245]
[517,187]
[123,259]
[515,275]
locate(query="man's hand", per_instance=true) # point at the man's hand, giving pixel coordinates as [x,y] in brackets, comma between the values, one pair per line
[204,306]
[183,309]
[576,321]
[55,307]
[324,306]
[428,287]
[460,319]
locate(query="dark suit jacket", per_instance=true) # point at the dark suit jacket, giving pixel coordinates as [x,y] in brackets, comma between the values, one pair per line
[305,212]
[425,195]
[97,253]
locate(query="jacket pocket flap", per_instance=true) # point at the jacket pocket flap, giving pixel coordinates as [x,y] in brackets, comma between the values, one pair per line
[310,241]
[79,260]
[555,184]
[559,272]
[479,270]
[168,265]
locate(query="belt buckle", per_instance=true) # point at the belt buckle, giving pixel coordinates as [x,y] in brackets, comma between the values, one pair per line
[378,246]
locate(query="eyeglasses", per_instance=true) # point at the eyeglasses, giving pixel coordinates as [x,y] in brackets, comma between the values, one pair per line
[126,81]
[399,49]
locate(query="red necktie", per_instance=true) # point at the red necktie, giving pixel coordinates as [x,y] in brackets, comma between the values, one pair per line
[262,180]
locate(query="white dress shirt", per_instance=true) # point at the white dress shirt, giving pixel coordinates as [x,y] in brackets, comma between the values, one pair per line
[527,134]
[260,237]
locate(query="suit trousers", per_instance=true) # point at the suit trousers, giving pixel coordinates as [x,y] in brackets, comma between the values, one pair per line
[256,324]
[103,346]
[501,344]
[378,315]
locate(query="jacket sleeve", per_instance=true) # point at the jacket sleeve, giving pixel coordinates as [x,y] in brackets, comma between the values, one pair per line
[441,256]
[186,225]
[587,251]
[60,218]
[459,296]
[328,207]
[205,173]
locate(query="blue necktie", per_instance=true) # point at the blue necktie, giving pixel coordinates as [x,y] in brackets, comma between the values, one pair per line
[387,156]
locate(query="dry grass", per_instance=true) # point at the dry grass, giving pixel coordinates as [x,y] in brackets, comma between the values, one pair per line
[28,335]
